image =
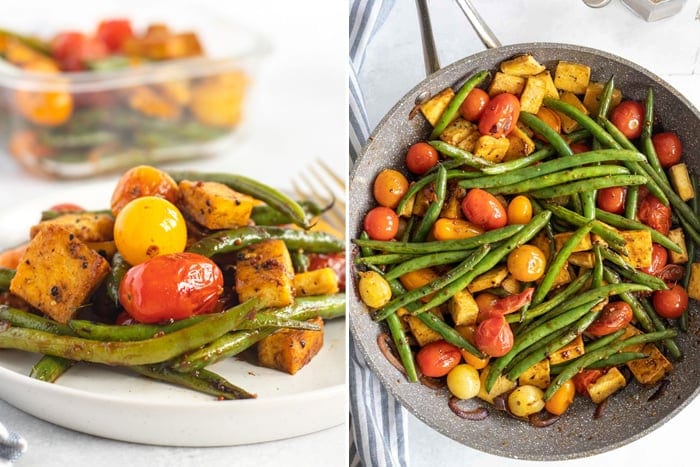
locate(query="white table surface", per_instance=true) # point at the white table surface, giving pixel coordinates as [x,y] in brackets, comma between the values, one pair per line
[670,48]
[296,113]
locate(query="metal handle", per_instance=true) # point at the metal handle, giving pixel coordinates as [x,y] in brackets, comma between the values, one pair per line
[430,56]
[480,27]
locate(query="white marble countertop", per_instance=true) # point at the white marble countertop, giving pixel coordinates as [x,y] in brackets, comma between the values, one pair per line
[670,48]
[296,113]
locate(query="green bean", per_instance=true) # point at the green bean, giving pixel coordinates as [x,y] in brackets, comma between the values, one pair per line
[448,333]
[638,311]
[558,262]
[629,224]
[606,98]
[631,202]
[659,325]
[466,157]
[6,276]
[267,215]
[539,310]
[559,178]
[52,214]
[605,352]
[148,351]
[254,188]
[524,341]
[614,239]
[204,381]
[49,368]
[577,204]
[591,183]
[24,319]
[387,258]
[647,145]
[433,211]
[233,343]
[689,230]
[429,178]
[605,340]
[453,107]
[550,167]
[631,273]
[588,203]
[228,241]
[405,354]
[597,280]
[682,209]
[690,247]
[416,294]
[489,261]
[617,359]
[419,248]
[73,140]
[426,261]
[554,138]
[115,276]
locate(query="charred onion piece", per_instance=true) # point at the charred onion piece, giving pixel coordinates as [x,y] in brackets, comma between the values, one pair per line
[384,343]
[543,419]
[432,383]
[660,391]
[478,413]
[600,409]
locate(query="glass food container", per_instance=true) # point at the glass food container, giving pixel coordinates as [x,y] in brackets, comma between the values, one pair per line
[78,124]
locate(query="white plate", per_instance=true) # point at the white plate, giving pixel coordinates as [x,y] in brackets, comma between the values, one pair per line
[114,403]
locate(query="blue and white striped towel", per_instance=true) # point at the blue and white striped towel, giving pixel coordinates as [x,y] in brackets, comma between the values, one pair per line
[378,424]
[11,446]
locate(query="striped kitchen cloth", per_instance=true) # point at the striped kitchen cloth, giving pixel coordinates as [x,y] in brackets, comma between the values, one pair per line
[378,424]
[11,446]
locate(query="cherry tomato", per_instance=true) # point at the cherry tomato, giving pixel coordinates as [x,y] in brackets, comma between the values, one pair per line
[381,223]
[659,259]
[526,263]
[66,207]
[463,381]
[485,301]
[671,273]
[389,187]
[612,199]
[142,180]
[114,32]
[421,157]
[615,316]
[508,304]
[561,399]
[500,115]
[494,336]
[483,209]
[454,229]
[670,303]
[438,358]
[474,105]
[147,227]
[552,120]
[628,117]
[332,260]
[46,108]
[73,49]
[519,210]
[585,378]
[668,148]
[653,213]
[578,148]
[174,286]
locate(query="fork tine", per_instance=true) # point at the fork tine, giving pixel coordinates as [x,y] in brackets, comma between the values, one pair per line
[312,185]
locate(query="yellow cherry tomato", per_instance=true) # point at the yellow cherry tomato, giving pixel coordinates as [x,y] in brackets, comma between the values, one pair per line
[519,210]
[389,187]
[463,381]
[148,227]
[50,108]
[561,399]
[143,180]
[375,291]
[526,400]
[527,263]
[454,229]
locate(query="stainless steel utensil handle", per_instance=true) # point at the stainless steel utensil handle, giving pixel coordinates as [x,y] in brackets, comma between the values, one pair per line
[430,56]
[480,27]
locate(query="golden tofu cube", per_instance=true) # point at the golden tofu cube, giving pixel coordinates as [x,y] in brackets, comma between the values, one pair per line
[638,247]
[452,208]
[407,210]
[605,386]
[584,245]
[542,242]
[215,205]
[522,65]
[86,226]
[502,82]
[564,276]
[680,179]
[570,351]
[433,108]
[422,200]
[550,88]
[58,273]
[289,350]
[421,332]
[572,77]
[678,237]
[511,285]
[501,385]
[490,148]
[594,91]
[322,281]
[520,144]
[264,270]
[583,259]
[536,375]
[418,278]
[461,131]
[532,95]
[694,283]
[488,280]
[463,308]
[568,124]
[649,370]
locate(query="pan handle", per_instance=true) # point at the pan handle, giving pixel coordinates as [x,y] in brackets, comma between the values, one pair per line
[480,27]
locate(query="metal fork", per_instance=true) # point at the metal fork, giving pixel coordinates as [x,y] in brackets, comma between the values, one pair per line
[321,184]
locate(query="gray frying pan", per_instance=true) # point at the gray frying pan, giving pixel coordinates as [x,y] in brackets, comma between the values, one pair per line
[629,415]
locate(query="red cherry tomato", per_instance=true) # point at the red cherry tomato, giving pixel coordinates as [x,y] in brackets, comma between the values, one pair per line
[493,336]
[671,273]
[670,303]
[668,148]
[438,358]
[653,213]
[628,117]
[578,148]
[483,209]
[508,304]
[500,115]
[612,199]
[421,157]
[173,286]
[114,32]
[381,223]
[329,260]
[73,49]
[66,207]
[659,259]
[585,378]
[615,316]
[474,105]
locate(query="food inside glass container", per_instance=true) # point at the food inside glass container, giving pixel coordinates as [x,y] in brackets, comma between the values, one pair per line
[80,103]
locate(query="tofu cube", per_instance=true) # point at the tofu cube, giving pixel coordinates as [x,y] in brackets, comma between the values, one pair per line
[536,375]
[461,133]
[421,332]
[678,237]
[568,124]
[648,370]
[463,308]
[490,148]
[605,386]
[680,179]
[452,208]
[550,88]
[289,350]
[322,281]
[511,285]
[583,259]
[86,227]
[501,385]
[264,270]
[694,283]
[488,280]
[584,245]
[522,65]
[520,144]
[433,108]
[215,205]
[58,273]
[638,247]
[572,77]
[570,351]
[502,82]
[532,95]
[594,91]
